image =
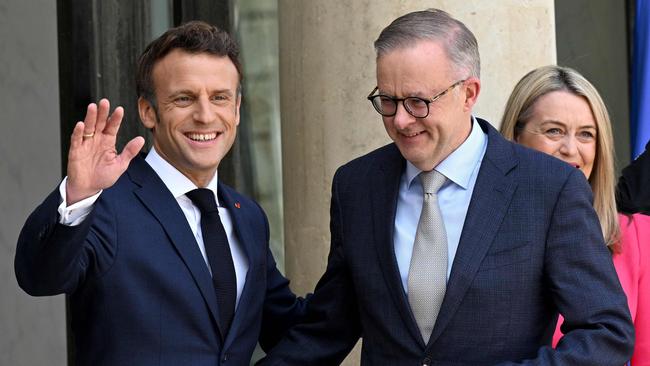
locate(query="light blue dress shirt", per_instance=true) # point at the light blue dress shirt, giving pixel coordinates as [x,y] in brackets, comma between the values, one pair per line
[461,169]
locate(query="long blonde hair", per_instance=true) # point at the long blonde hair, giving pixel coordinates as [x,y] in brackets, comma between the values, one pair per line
[518,110]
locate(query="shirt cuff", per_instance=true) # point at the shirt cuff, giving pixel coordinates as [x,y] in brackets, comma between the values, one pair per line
[75,214]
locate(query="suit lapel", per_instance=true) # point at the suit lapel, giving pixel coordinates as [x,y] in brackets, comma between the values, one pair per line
[384,203]
[490,200]
[163,206]
[238,210]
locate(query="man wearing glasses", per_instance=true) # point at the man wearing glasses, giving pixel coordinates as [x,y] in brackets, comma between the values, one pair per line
[452,246]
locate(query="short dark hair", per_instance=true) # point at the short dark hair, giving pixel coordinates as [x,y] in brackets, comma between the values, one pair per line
[192,37]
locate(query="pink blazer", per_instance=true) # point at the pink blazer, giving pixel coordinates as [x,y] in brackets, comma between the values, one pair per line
[633,268]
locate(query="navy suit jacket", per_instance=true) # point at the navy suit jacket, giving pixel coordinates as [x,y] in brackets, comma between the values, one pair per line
[531,247]
[140,292]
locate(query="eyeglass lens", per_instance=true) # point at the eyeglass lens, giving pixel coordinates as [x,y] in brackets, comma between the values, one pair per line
[388,106]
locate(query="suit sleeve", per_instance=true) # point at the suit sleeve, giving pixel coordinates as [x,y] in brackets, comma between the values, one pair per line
[331,326]
[584,286]
[282,308]
[52,258]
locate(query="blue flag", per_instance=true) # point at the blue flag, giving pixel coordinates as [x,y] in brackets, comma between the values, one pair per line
[640,122]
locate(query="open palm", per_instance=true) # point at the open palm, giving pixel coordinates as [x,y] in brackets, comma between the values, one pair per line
[93,161]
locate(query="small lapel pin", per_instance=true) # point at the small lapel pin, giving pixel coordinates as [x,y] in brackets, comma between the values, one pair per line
[237,205]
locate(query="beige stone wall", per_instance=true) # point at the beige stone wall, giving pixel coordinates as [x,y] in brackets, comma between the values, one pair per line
[327,67]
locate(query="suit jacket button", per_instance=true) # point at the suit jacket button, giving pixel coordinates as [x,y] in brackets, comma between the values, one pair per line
[225,357]
[426,362]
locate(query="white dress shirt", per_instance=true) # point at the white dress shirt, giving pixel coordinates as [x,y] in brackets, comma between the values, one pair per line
[461,169]
[178,185]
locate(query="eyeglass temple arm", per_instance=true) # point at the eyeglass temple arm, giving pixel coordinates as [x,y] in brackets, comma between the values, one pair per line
[372,92]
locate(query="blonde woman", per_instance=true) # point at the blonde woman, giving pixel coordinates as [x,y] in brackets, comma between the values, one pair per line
[556,110]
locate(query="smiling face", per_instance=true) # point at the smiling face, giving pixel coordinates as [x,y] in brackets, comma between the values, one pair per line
[562,124]
[198,112]
[423,70]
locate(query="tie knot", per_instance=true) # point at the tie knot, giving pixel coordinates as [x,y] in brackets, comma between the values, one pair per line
[204,199]
[432,181]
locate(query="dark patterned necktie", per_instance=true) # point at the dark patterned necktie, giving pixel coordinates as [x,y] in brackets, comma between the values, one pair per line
[218,253]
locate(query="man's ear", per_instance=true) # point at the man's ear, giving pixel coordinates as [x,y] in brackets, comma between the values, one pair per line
[472,90]
[237,109]
[147,113]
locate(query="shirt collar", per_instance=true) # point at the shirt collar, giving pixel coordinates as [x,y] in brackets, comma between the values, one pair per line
[459,165]
[174,180]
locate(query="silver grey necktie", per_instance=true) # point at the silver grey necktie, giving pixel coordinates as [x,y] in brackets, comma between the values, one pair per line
[427,280]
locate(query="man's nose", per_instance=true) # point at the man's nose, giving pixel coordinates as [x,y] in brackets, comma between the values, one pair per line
[203,110]
[402,117]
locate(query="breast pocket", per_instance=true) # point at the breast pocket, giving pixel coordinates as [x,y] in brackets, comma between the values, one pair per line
[502,256]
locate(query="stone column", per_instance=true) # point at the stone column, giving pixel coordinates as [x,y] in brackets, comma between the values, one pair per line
[327,67]
[32,329]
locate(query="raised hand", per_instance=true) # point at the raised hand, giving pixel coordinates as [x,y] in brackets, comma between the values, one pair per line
[93,161]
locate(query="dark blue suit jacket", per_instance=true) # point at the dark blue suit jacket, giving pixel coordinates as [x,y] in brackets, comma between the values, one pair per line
[531,247]
[139,290]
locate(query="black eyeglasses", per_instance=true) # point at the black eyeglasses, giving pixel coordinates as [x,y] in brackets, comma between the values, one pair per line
[417,107]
